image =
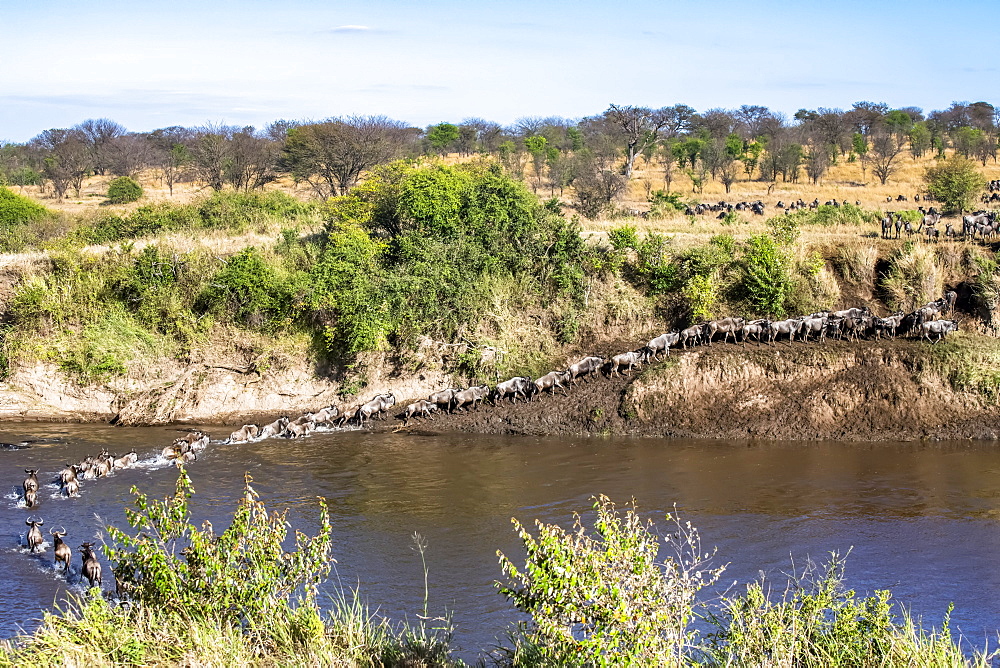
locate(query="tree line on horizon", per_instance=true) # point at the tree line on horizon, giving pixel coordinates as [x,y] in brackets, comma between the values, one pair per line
[594,156]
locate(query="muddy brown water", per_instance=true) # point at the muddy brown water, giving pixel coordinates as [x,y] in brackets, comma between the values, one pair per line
[921,519]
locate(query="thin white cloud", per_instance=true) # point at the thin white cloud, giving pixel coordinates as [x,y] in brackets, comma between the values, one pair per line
[351,28]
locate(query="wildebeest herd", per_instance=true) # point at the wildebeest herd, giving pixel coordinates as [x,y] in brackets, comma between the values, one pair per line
[853,323]
[181,451]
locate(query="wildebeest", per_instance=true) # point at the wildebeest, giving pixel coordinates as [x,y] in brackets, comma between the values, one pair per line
[585,367]
[887,325]
[950,298]
[551,381]
[630,359]
[813,325]
[443,398]
[275,428]
[779,327]
[662,343]
[939,328]
[247,432]
[421,408]
[62,551]
[470,396]
[303,426]
[519,386]
[91,566]
[30,483]
[728,326]
[378,405]
[34,536]
[692,334]
[755,328]
[126,460]
[71,487]
[326,415]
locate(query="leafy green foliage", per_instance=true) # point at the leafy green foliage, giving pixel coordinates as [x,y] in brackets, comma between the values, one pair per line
[17,210]
[766,280]
[663,204]
[124,190]
[249,290]
[956,182]
[239,575]
[236,211]
[602,598]
[415,250]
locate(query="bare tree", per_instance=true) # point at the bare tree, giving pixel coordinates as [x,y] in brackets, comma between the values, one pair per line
[128,155]
[595,187]
[210,153]
[172,153]
[67,159]
[100,133]
[332,155]
[885,148]
[817,162]
[252,160]
[728,172]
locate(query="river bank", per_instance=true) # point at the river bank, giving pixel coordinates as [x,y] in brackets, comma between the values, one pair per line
[866,391]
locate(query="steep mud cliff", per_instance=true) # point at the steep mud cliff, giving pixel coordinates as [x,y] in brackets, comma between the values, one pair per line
[890,390]
[838,390]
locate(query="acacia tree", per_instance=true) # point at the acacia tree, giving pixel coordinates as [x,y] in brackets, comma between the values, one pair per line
[331,156]
[641,127]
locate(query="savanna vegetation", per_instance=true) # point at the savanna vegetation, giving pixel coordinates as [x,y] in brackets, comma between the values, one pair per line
[611,591]
[360,240]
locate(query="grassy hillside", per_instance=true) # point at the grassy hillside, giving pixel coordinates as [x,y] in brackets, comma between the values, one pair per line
[453,266]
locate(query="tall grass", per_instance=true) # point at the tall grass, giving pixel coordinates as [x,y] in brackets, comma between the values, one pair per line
[914,277]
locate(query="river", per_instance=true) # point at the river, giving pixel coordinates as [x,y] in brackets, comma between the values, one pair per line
[921,519]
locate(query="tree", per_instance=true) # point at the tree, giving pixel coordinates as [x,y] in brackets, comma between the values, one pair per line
[100,133]
[859,144]
[886,147]
[443,136]
[252,159]
[595,186]
[920,139]
[67,159]
[640,127]
[537,147]
[728,172]
[751,156]
[210,152]
[955,182]
[817,162]
[332,155]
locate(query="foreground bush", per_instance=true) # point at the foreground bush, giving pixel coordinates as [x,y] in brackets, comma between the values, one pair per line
[241,597]
[620,593]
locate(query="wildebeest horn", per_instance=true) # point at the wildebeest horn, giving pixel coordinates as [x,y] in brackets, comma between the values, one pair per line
[29,521]
[58,533]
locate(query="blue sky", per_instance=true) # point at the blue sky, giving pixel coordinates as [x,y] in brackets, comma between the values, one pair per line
[150,64]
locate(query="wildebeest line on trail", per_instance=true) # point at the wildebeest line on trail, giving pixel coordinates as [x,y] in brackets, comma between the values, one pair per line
[852,323]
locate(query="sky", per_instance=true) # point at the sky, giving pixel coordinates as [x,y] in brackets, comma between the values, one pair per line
[152,64]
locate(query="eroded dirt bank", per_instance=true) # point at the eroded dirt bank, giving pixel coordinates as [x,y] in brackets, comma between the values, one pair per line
[838,390]
[893,390]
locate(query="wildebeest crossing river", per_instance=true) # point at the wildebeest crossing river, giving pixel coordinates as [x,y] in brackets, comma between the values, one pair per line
[923,520]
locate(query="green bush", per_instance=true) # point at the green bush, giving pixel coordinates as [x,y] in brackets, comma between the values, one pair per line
[603,598]
[124,190]
[248,290]
[240,575]
[17,210]
[417,250]
[766,277]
